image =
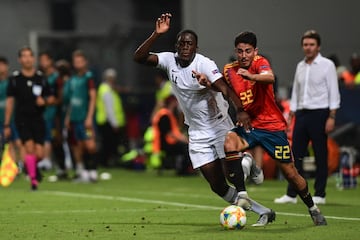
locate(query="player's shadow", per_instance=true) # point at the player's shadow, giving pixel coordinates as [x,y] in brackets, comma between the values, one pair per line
[216,228]
[272,228]
[147,223]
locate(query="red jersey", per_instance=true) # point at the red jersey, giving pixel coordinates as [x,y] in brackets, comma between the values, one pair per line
[257,98]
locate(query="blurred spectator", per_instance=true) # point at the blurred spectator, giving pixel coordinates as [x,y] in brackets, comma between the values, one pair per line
[14,140]
[348,76]
[46,65]
[61,135]
[110,118]
[168,138]
[355,65]
[340,69]
[80,116]
[163,90]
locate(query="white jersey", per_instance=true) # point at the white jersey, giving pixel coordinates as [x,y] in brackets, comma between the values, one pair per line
[205,110]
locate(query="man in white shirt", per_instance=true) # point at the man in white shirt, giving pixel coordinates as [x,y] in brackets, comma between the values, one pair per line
[206,113]
[314,100]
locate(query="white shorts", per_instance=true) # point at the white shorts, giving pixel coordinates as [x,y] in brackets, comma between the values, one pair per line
[202,152]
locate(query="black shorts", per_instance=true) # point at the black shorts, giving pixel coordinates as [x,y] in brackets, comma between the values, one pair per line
[31,129]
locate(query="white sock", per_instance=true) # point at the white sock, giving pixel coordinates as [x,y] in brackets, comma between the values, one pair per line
[93,175]
[85,175]
[45,163]
[231,195]
[243,194]
[246,163]
[79,168]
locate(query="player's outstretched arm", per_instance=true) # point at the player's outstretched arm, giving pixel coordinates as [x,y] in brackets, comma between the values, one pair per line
[243,118]
[142,54]
[264,77]
[220,85]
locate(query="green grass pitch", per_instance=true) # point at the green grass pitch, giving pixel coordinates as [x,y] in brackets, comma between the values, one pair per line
[143,205]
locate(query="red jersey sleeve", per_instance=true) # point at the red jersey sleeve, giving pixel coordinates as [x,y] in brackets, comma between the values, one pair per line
[260,65]
[91,83]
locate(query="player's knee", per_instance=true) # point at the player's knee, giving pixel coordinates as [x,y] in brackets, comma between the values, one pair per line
[90,146]
[231,142]
[40,156]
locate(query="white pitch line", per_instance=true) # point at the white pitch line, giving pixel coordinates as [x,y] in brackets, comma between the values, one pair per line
[328,217]
[96,211]
[49,212]
[140,200]
[127,199]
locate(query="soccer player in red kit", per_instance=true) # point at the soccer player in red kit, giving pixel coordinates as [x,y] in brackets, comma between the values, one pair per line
[252,79]
[258,99]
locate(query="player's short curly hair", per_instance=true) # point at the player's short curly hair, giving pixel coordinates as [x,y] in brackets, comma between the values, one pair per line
[79,53]
[46,53]
[311,34]
[189,32]
[63,67]
[246,37]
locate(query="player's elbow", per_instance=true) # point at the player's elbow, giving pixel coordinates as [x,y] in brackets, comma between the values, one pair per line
[51,100]
[140,58]
[270,78]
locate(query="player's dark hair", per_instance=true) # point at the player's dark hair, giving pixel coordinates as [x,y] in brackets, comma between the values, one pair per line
[79,53]
[23,49]
[63,67]
[246,37]
[4,60]
[311,34]
[189,32]
[47,53]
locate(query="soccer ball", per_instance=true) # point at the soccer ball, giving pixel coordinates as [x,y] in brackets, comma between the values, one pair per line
[233,217]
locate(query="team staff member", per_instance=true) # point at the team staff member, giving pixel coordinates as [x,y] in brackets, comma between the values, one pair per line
[60,143]
[4,81]
[110,118]
[30,90]
[168,137]
[314,100]
[46,64]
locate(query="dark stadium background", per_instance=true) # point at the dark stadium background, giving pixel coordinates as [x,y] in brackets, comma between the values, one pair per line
[109,31]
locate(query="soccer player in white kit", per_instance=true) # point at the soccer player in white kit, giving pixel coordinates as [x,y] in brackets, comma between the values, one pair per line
[205,110]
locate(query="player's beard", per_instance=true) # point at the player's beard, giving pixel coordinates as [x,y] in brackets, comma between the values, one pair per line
[242,65]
